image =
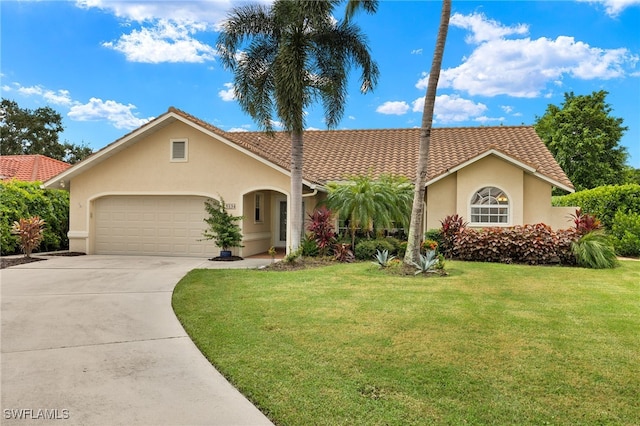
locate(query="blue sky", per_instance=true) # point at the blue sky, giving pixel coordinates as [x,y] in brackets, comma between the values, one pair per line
[110,66]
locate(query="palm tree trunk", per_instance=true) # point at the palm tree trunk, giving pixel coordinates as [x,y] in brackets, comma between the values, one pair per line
[295,209]
[415,228]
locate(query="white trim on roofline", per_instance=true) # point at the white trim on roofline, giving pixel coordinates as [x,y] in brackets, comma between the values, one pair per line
[170,116]
[507,158]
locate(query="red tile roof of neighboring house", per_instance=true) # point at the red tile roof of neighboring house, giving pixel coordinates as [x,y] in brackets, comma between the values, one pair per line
[30,168]
[332,154]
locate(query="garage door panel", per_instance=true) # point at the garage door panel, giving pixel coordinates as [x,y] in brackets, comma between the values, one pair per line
[151,225]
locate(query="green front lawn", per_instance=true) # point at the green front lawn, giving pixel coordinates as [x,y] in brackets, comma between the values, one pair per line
[489,344]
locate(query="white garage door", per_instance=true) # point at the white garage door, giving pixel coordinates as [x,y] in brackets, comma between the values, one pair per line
[152,225]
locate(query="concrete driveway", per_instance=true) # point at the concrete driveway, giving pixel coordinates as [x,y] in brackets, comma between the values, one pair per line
[93,340]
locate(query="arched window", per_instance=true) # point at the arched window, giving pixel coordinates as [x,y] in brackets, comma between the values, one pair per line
[489,206]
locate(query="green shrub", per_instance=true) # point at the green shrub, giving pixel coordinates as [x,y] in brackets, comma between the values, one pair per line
[604,201]
[531,244]
[367,249]
[309,246]
[19,200]
[434,235]
[595,250]
[397,244]
[626,233]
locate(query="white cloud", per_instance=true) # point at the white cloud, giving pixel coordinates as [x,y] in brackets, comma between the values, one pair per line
[416,52]
[506,108]
[211,11]
[483,29]
[452,108]
[59,97]
[614,7]
[393,108]
[229,94]
[120,115]
[485,119]
[167,41]
[351,117]
[524,67]
[237,129]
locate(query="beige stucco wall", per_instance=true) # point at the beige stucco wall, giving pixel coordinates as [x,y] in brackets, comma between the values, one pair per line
[491,171]
[213,169]
[529,195]
[441,201]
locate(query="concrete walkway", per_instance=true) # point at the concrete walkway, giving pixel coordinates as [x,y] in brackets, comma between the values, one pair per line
[93,340]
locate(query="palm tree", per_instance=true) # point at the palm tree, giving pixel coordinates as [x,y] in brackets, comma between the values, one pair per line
[286,56]
[415,228]
[415,232]
[367,202]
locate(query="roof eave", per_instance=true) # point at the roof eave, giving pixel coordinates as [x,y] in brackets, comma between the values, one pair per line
[527,168]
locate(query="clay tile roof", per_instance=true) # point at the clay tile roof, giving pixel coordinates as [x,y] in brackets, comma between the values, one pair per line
[30,168]
[331,155]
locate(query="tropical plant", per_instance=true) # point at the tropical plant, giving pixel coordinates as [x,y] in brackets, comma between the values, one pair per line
[427,263]
[367,203]
[382,258]
[223,227]
[342,253]
[585,222]
[284,57]
[322,230]
[595,250]
[415,228]
[452,225]
[30,232]
[309,246]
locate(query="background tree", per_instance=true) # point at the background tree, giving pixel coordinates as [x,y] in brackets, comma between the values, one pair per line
[584,139]
[284,57]
[25,131]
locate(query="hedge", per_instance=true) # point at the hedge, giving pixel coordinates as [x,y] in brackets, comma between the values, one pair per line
[366,249]
[626,234]
[531,244]
[604,201]
[25,199]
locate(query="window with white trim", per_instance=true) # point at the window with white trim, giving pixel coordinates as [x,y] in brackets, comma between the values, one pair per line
[179,150]
[490,206]
[259,200]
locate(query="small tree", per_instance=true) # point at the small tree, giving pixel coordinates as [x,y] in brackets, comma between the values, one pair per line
[223,227]
[30,232]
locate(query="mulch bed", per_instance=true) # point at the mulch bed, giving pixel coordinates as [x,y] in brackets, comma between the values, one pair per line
[15,261]
[8,262]
[226,259]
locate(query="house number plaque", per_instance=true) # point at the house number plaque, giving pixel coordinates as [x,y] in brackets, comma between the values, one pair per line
[230,206]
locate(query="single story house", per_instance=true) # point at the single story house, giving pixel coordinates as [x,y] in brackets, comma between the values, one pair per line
[145,192]
[30,168]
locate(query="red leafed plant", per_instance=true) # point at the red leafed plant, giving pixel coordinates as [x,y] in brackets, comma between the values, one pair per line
[322,229]
[30,232]
[343,253]
[585,222]
[452,225]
